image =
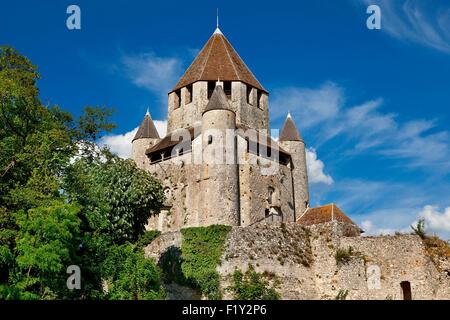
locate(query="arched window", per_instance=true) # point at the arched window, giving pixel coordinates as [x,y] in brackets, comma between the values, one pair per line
[210,139]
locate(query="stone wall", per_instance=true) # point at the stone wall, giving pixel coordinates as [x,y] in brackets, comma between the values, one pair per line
[304,261]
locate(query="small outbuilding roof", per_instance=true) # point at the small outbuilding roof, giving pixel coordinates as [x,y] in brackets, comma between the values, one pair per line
[323,214]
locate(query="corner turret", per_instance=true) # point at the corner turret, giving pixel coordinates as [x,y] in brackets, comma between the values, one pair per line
[146,137]
[291,140]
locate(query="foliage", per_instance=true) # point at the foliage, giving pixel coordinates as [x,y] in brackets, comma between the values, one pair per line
[147,237]
[45,242]
[436,247]
[343,255]
[65,201]
[170,262]
[201,251]
[419,229]
[130,276]
[118,198]
[342,295]
[252,286]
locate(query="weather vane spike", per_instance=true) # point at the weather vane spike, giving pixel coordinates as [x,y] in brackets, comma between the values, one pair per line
[217,23]
[148,111]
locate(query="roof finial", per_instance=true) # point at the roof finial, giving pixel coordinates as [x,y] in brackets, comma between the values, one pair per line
[148,112]
[217,23]
[289,114]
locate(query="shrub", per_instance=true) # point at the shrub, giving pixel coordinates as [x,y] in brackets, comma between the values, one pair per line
[419,229]
[130,276]
[342,295]
[343,255]
[252,286]
[147,237]
[201,250]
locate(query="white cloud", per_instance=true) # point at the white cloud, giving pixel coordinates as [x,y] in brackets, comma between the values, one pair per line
[423,22]
[435,220]
[311,106]
[315,168]
[120,144]
[154,73]
[321,113]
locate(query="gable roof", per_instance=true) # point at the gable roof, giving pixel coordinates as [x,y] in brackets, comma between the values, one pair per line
[147,129]
[218,61]
[218,100]
[323,214]
[289,131]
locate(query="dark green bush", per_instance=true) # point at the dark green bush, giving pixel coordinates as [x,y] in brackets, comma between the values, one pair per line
[252,286]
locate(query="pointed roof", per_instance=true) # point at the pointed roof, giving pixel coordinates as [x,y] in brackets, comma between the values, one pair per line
[147,129]
[289,131]
[323,214]
[218,100]
[218,60]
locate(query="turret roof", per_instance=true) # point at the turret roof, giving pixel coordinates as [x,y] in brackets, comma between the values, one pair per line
[218,100]
[289,131]
[147,129]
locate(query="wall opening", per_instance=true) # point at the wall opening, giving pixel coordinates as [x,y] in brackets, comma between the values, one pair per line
[210,139]
[211,87]
[406,290]
[188,97]
[259,98]
[271,191]
[177,101]
[249,95]
[227,88]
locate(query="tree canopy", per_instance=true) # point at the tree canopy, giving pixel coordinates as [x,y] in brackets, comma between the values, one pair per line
[65,201]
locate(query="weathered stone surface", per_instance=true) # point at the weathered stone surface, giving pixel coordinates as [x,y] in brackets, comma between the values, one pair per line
[303,261]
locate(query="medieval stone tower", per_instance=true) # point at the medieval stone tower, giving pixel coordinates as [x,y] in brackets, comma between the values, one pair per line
[218,163]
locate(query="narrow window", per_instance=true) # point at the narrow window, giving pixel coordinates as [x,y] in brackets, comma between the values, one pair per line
[188,97]
[177,98]
[249,95]
[406,290]
[211,87]
[227,88]
[270,195]
[259,98]
[210,139]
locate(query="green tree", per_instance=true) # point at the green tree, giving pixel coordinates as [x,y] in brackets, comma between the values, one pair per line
[130,276]
[46,244]
[118,198]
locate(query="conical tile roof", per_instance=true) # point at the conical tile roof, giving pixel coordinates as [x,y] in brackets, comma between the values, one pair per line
[147,129]
[218,60]
[289,131]
[218,100]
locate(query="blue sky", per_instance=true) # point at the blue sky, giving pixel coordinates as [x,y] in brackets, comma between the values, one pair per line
[372,105]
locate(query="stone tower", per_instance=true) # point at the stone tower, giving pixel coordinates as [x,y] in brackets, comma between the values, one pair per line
[220,175]
[291,140]
[217,162]
[218,60]
[146,137]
